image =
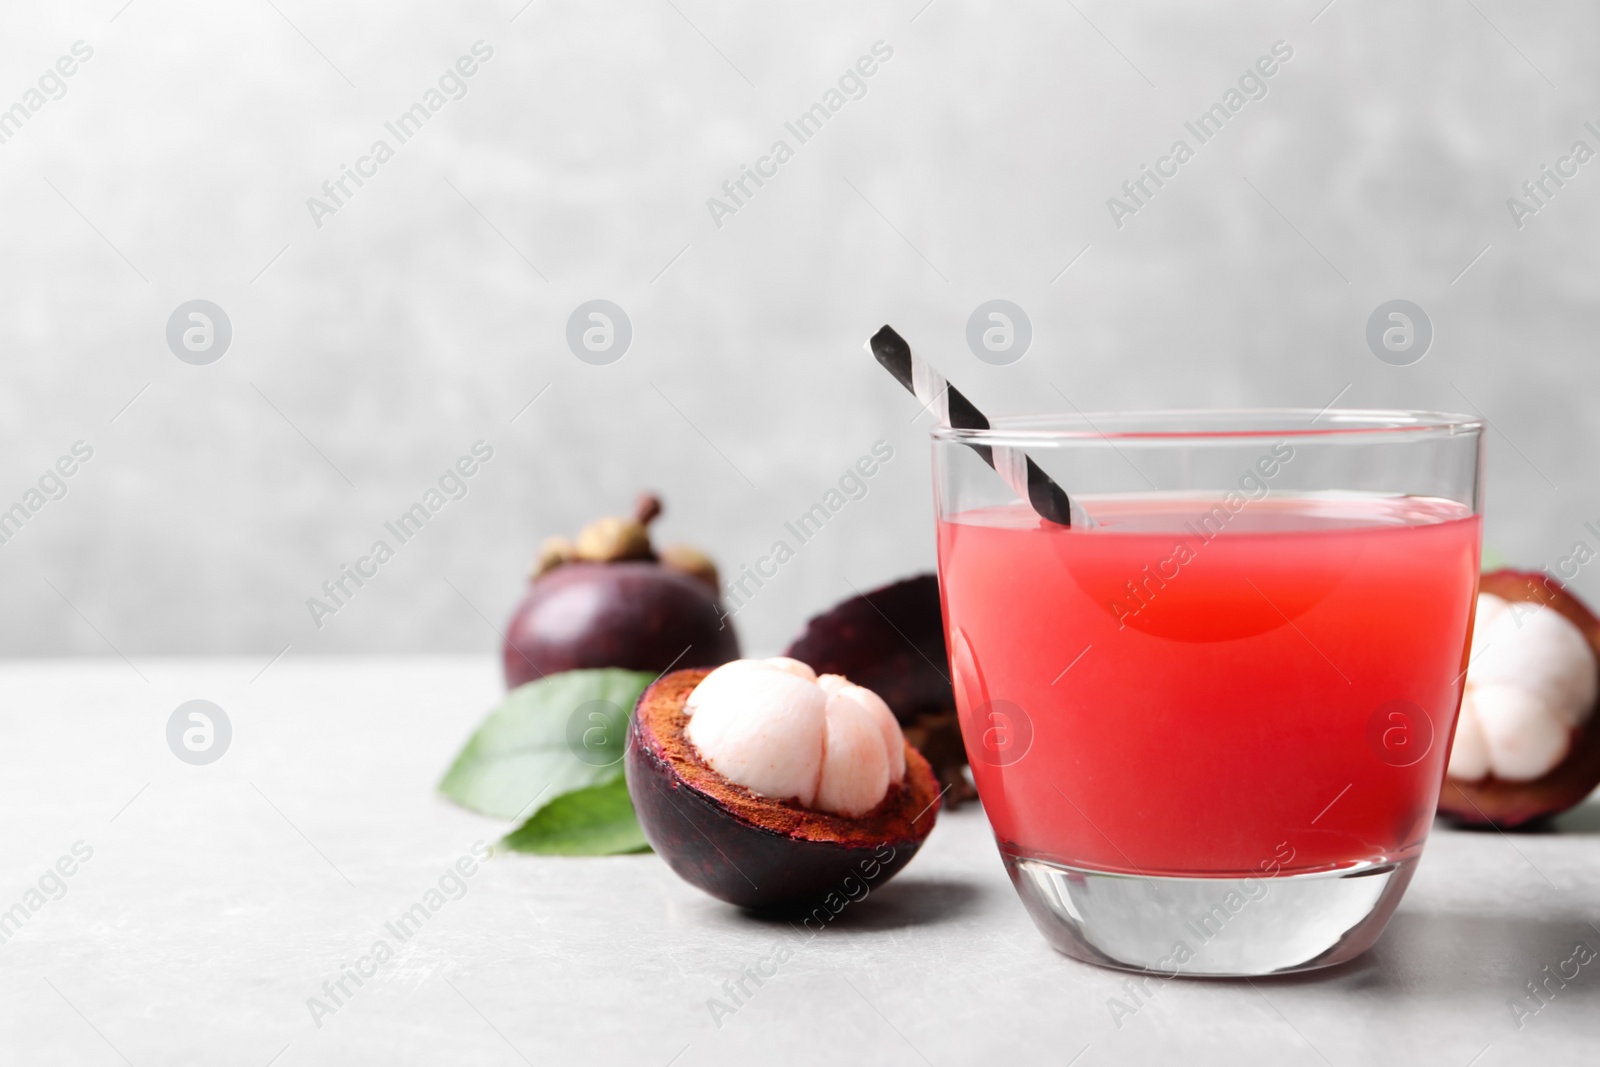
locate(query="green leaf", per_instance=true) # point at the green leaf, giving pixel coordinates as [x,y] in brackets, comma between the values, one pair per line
[597,821]
[562,733]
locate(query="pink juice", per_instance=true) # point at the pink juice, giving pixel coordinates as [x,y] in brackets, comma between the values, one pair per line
[1186,690]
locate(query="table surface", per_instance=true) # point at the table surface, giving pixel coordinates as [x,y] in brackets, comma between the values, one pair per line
[218,900]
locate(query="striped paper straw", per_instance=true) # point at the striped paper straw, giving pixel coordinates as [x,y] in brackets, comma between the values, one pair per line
[1013,465]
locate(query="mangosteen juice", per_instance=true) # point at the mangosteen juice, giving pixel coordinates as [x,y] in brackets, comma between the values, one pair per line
[1234,680]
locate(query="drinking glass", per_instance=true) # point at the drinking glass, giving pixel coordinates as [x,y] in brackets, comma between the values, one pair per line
[1209,725]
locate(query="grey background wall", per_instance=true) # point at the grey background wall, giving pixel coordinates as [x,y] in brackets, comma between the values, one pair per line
[370,351]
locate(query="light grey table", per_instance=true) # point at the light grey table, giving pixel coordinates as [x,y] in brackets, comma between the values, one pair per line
[219,899]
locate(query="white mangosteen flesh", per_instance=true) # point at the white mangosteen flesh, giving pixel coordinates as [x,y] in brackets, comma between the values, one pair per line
[774,727]
[1531,683]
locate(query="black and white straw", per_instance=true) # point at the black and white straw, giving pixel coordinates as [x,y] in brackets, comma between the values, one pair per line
[1013,465]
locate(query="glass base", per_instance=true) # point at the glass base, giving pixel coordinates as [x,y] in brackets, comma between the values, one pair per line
[1216,927]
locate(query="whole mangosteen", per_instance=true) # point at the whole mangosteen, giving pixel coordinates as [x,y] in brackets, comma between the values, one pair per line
[608,599]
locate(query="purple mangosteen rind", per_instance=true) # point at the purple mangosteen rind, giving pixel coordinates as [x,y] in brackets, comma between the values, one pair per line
[635,615]
[710,837]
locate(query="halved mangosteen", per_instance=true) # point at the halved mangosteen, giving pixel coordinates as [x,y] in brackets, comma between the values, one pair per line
[1527,742]
[790,788]
[891,640]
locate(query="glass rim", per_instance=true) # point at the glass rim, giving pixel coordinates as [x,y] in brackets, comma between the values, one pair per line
[1178,425]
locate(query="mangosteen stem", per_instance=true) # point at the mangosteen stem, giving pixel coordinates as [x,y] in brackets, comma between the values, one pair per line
[647,509]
